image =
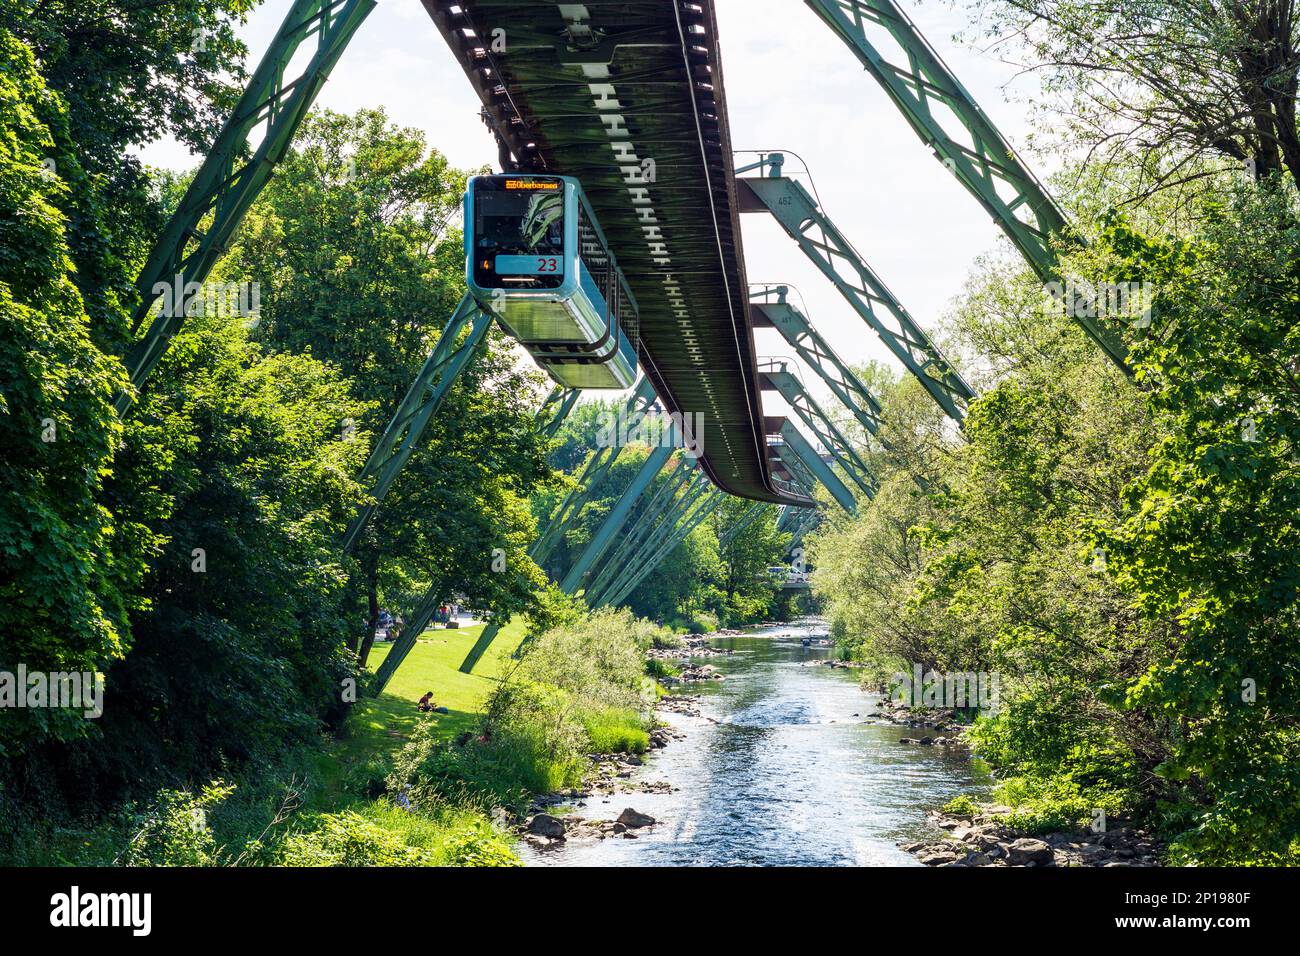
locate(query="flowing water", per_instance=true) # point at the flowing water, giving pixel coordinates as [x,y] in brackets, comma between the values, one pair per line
[785,766]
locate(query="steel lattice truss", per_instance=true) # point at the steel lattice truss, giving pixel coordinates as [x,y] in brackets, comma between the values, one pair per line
[819,239]
[639,81]
[964,139]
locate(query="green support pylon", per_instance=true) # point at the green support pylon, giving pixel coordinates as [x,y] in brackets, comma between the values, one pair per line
[802,526]
[444,365]
[977,154]
[702,508]
[619,568]
[618,515]
[769,301]
[811,414]
[230,179]
[802,449]
[656,511]
[743,522]
[597,468]
[805,222]
[550,418]
[555,410]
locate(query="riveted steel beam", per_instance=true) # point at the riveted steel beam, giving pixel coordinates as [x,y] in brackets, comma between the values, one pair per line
[701,508]
[802,449]
[234,173]
[819,239]
[617,517]
[774,373]
[948,120]
[768,303]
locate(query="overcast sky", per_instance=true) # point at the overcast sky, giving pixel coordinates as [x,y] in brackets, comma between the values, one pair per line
[792,85]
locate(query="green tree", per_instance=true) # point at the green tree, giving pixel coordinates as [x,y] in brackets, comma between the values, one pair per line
[62,597]
[1209,550]
[353,247]
[748,590]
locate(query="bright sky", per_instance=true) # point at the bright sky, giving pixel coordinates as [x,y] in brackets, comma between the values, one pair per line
[791,85]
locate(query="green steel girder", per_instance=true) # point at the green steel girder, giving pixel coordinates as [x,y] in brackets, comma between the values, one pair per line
[804,479]
[799,215]
[550,417]
[230,179]
[787,517]
[963,138]
[623,569]
[658,509]
[770,303]
[444,365]
[617,516]
[597,468]
[556,409]
[811,414]
[803,526]
[802,449]
[703,507]
[743,522]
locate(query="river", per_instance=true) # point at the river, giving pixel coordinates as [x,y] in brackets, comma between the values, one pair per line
[784,766]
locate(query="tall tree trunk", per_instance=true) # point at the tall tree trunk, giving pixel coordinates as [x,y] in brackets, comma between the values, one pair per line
[372,592]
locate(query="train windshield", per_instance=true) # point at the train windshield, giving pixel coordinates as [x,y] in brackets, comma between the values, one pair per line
[518,233]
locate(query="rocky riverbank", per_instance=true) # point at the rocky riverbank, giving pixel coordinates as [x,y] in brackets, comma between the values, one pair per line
[610,775]
[695,645]
[984,839]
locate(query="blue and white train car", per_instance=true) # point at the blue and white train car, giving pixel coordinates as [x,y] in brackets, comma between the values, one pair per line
[538,260]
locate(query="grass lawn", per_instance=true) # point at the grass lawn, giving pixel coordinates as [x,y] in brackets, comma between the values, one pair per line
[380,726]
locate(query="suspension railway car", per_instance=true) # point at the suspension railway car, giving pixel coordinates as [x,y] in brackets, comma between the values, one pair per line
[538,260]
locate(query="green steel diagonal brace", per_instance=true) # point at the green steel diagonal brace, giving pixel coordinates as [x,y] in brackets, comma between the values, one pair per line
[227,184]
[622,569]
[448,359]
[597,468]
[982,160]
[658,509]
[550,417]
[806,454]
[787,517]
[744,521]
[805,524]
[555,410]
[811,414]
[704,507]
[798,214]
[617,516]
[770,303]
[804,479]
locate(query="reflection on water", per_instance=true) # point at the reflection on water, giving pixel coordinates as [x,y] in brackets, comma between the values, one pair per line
[782,768]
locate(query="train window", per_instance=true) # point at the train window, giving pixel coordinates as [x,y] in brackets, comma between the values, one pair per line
[518,234]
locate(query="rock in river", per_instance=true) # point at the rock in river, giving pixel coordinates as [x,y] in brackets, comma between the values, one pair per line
[546,825]
[632,819]
[1027,850]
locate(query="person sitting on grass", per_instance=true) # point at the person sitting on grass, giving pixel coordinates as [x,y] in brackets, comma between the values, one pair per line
[426,702]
